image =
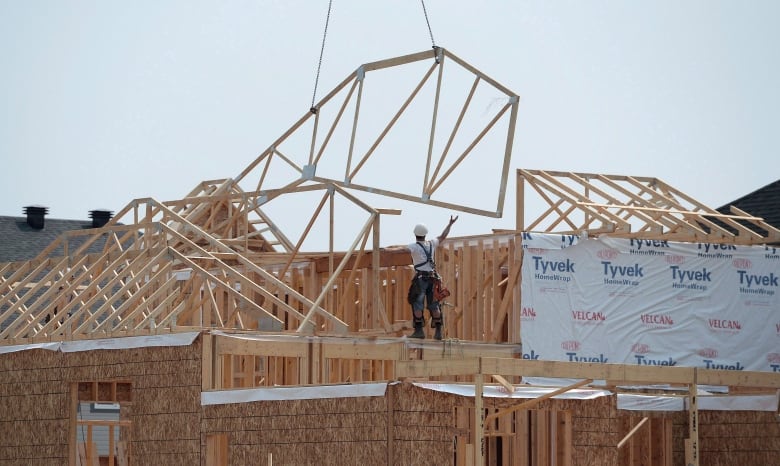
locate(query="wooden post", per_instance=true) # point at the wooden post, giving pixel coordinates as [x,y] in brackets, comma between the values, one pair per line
[478,439]
[564,438]
[374,290]
[692,442]
[207,362]
[390,426]
[520,201]
[74,405]
[217,450]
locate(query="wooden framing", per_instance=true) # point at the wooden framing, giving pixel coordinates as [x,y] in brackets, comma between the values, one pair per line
[86,453]
[613,374]
[271,313]
[437,171]
[307,360]
[164,273]
[632,207]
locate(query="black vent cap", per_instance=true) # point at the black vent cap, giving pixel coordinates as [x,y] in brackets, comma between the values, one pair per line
[35,216]
[100,217]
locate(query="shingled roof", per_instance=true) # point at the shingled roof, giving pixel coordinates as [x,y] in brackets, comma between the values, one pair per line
[21,242]
[763,202]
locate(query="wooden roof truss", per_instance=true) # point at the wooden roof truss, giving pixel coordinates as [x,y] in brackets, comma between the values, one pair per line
[216,259]
[631,207]
[438,164]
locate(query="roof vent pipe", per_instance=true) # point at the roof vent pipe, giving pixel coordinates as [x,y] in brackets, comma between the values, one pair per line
[100,217]
[35,216]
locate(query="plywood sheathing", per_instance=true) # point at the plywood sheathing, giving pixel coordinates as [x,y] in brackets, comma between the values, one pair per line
[168,421]
[418,424]
[739,437]
[426,431]
[34,401]
[164,411]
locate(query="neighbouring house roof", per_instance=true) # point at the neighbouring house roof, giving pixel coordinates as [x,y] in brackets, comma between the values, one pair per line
[763,202]
[20,242]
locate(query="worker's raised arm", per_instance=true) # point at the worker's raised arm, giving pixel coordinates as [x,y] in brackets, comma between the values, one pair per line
[446,231]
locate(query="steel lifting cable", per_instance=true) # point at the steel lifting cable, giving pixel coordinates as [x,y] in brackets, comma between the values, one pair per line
[425,12]
[313,109]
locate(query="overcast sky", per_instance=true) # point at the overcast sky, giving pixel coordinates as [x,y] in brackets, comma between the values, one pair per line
[103,102]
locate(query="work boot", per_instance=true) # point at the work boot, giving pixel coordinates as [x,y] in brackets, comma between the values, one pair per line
[418,333]
[437,335]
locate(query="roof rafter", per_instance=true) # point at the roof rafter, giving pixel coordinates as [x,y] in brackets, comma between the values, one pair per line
[632,207]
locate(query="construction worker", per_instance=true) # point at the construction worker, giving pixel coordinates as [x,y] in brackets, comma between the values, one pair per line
[421,292]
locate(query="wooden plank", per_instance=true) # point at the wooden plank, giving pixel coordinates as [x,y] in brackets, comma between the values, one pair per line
[217,449]
[477,72]
[454,131]
[510,138]
[392,122]
[667,441]
[692,445]
[93,292]
[284,346]
[522,438]
[432,368]
[358,349]
[207,361]
[564,438]
[156,282]
[478,437]
[269,277]
[469,148]
[402,60]
[429,156]
[506,300]
[542,446]
[315,306]
[534,401]
[390,421]
[234,293]
[738,378]
[72,416]
[335,122]
[581,370]
[631,433]
[407,197]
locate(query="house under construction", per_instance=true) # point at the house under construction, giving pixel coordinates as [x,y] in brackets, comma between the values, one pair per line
[197,331]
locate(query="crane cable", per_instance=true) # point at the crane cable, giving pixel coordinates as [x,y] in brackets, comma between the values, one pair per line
[425,12]
[313,109]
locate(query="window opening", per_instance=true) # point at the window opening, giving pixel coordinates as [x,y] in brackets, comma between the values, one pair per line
[101,423]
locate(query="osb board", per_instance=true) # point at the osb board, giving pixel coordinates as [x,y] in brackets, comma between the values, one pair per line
[39,455]
[348,430]
[343,430]
[35,402]
[166,384]
[739,438]
[33,408]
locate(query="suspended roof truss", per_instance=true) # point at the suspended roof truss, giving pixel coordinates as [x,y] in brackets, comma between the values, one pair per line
[348,144]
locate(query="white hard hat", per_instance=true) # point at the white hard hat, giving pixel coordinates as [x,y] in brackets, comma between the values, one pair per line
[420,230]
